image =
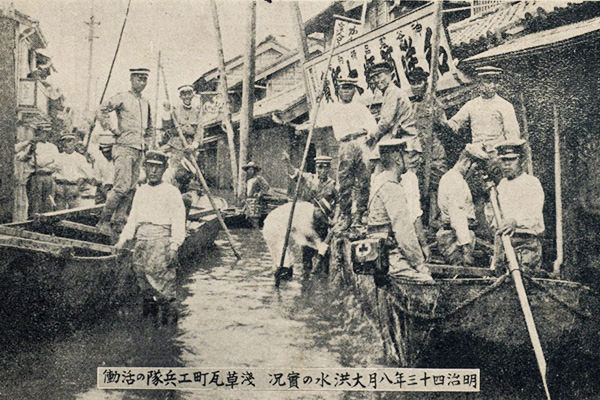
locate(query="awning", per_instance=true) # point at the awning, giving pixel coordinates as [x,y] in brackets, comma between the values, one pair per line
[564,36]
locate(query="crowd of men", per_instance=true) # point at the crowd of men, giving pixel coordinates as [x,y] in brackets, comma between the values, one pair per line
[377,185]
[379,175]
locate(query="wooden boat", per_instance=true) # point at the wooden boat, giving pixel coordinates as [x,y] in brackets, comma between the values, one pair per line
[58,269]
[471,315]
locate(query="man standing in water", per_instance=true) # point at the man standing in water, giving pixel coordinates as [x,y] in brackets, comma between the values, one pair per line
[133,132]
[157,223]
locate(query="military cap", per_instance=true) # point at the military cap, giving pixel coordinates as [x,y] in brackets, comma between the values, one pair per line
[67,136]
[323,160]
[392,144]
[185,88]
[139,71]
[351,81]
[45,126]
[251,164]
[489,72]
[156,157]
[380,67]
[510,148]
[476,152]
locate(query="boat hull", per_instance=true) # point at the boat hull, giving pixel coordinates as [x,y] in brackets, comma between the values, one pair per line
[419,321]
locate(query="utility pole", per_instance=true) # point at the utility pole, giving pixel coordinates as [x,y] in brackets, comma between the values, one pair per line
[247,112]
[91,36]
[226,111]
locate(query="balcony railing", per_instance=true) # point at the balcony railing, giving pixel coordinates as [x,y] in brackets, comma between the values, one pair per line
[33,96]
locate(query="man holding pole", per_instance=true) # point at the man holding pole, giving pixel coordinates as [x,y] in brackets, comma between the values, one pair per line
[190,122]
[521,201]
[132,134]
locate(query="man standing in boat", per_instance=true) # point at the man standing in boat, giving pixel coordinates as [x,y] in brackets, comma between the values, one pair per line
[352,122]
[189,119]
[132,134]
[319,190]
[492,119]
[157,224]
[455,238]
[389,214]
[521,200]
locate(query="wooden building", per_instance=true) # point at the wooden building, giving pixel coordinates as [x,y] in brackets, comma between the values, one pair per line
[279,88]
[26,99]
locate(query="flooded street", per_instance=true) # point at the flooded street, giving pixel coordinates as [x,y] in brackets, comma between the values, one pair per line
[233,317]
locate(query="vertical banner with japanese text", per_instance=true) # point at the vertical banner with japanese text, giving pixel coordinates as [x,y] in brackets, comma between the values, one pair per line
[404,43]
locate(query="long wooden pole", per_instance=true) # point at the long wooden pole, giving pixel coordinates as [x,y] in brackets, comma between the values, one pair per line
[158,67]
[247,111]
[515,272]
[192,159]
[431,102]
[526,134]
[304,156]
[226,111]
[302,45]
[558,195]
[112,64]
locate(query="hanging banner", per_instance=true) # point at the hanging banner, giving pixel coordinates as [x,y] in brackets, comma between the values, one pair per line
[404,43]
[346,29]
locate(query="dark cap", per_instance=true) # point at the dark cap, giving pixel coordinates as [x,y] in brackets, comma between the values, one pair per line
[380,67]
[351,82]
[156,157]
[251,164]
[392,144]
[185,88]
[510,148]
[139,71]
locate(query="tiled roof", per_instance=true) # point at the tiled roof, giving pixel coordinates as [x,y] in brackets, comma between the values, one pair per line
[563,35]
[507,19]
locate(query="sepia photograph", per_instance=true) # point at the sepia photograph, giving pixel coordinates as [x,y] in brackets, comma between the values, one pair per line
[299,199]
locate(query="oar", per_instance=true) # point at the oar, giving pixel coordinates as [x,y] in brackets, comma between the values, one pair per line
[513,268]
[303,164]
[199,171]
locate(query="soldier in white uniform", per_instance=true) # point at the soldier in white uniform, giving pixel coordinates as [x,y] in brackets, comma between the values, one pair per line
[390,217]
[74,171]
[352,122]
[521,200]
[157,223]
[455,238]
[492,118]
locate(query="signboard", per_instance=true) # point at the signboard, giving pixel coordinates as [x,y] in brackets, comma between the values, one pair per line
[346,29]
[404,43]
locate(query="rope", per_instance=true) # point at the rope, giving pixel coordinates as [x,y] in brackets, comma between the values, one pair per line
[575,310]
[495,285]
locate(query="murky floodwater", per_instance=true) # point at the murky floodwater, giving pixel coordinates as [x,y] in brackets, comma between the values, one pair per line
[233,317]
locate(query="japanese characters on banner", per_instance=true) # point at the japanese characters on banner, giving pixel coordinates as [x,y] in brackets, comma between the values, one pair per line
[291,379]
[404,43]
[346,30]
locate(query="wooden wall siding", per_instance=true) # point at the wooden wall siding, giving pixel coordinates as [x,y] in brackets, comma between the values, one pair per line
[223,172]
[267,58]
[284,79]
[265,148]
[8,106]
